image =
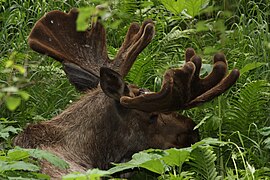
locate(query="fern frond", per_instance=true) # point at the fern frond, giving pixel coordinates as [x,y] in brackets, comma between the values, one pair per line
[203,163]
[249,107]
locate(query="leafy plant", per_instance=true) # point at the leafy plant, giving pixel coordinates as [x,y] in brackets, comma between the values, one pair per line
[11,88]
[18,163]
[186,7]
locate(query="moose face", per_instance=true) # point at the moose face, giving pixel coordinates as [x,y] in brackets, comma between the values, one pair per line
[163,130]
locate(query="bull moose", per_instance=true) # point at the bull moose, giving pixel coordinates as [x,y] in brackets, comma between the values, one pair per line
[113,119]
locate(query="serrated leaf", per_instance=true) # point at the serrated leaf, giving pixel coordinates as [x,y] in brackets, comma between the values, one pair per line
[176,157]
[176,7]
[53,159]
[41,155]
[195,6]
[17,165]
[12,102]
[15,155]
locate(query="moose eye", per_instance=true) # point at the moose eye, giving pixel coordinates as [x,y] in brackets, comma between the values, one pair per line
[153,118]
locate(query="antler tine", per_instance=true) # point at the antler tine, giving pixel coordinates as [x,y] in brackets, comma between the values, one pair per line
[170,98]
[136,40]
[223,86]
[183,88]
[199,85]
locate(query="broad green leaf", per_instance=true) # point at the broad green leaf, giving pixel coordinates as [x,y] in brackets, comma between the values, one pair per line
[175,6]
[12,102]
[16,154]
[137,160]
[176,157]
[251,66]
[194,7]
[155,166]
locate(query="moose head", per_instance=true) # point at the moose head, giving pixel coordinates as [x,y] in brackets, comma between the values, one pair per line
[113,119]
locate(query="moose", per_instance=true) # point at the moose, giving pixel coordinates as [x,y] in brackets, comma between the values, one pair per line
[114,119]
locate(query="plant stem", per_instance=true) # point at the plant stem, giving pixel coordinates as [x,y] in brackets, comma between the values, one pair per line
[221,166]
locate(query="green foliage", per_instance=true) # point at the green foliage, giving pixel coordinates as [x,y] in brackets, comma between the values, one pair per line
[6,129]
[250,106]
[19,163]
[204,163]
[11,87]
[165,162]
[190,7]
[32,85]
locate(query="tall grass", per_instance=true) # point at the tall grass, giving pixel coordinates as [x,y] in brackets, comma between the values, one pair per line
[240,29]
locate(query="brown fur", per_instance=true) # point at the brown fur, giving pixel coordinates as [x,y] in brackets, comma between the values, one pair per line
[97,130]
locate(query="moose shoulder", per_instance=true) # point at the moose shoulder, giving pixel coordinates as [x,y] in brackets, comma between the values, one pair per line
[113,120]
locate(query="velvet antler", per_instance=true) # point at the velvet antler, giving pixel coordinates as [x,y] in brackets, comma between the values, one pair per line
[55,35]
[84,53]
[183,88]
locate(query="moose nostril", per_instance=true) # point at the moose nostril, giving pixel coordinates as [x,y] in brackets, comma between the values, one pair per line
[153,118]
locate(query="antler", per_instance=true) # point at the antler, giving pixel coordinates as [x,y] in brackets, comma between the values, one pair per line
[84,53]
[55,35]
[183,88]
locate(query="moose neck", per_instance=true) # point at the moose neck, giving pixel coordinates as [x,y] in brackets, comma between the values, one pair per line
[106,130]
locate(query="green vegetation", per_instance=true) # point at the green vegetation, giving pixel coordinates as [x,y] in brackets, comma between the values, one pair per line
[34,88]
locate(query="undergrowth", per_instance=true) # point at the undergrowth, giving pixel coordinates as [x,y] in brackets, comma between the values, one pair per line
[34,87]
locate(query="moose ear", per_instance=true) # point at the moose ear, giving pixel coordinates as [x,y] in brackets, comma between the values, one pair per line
[80,78]
[112,83]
